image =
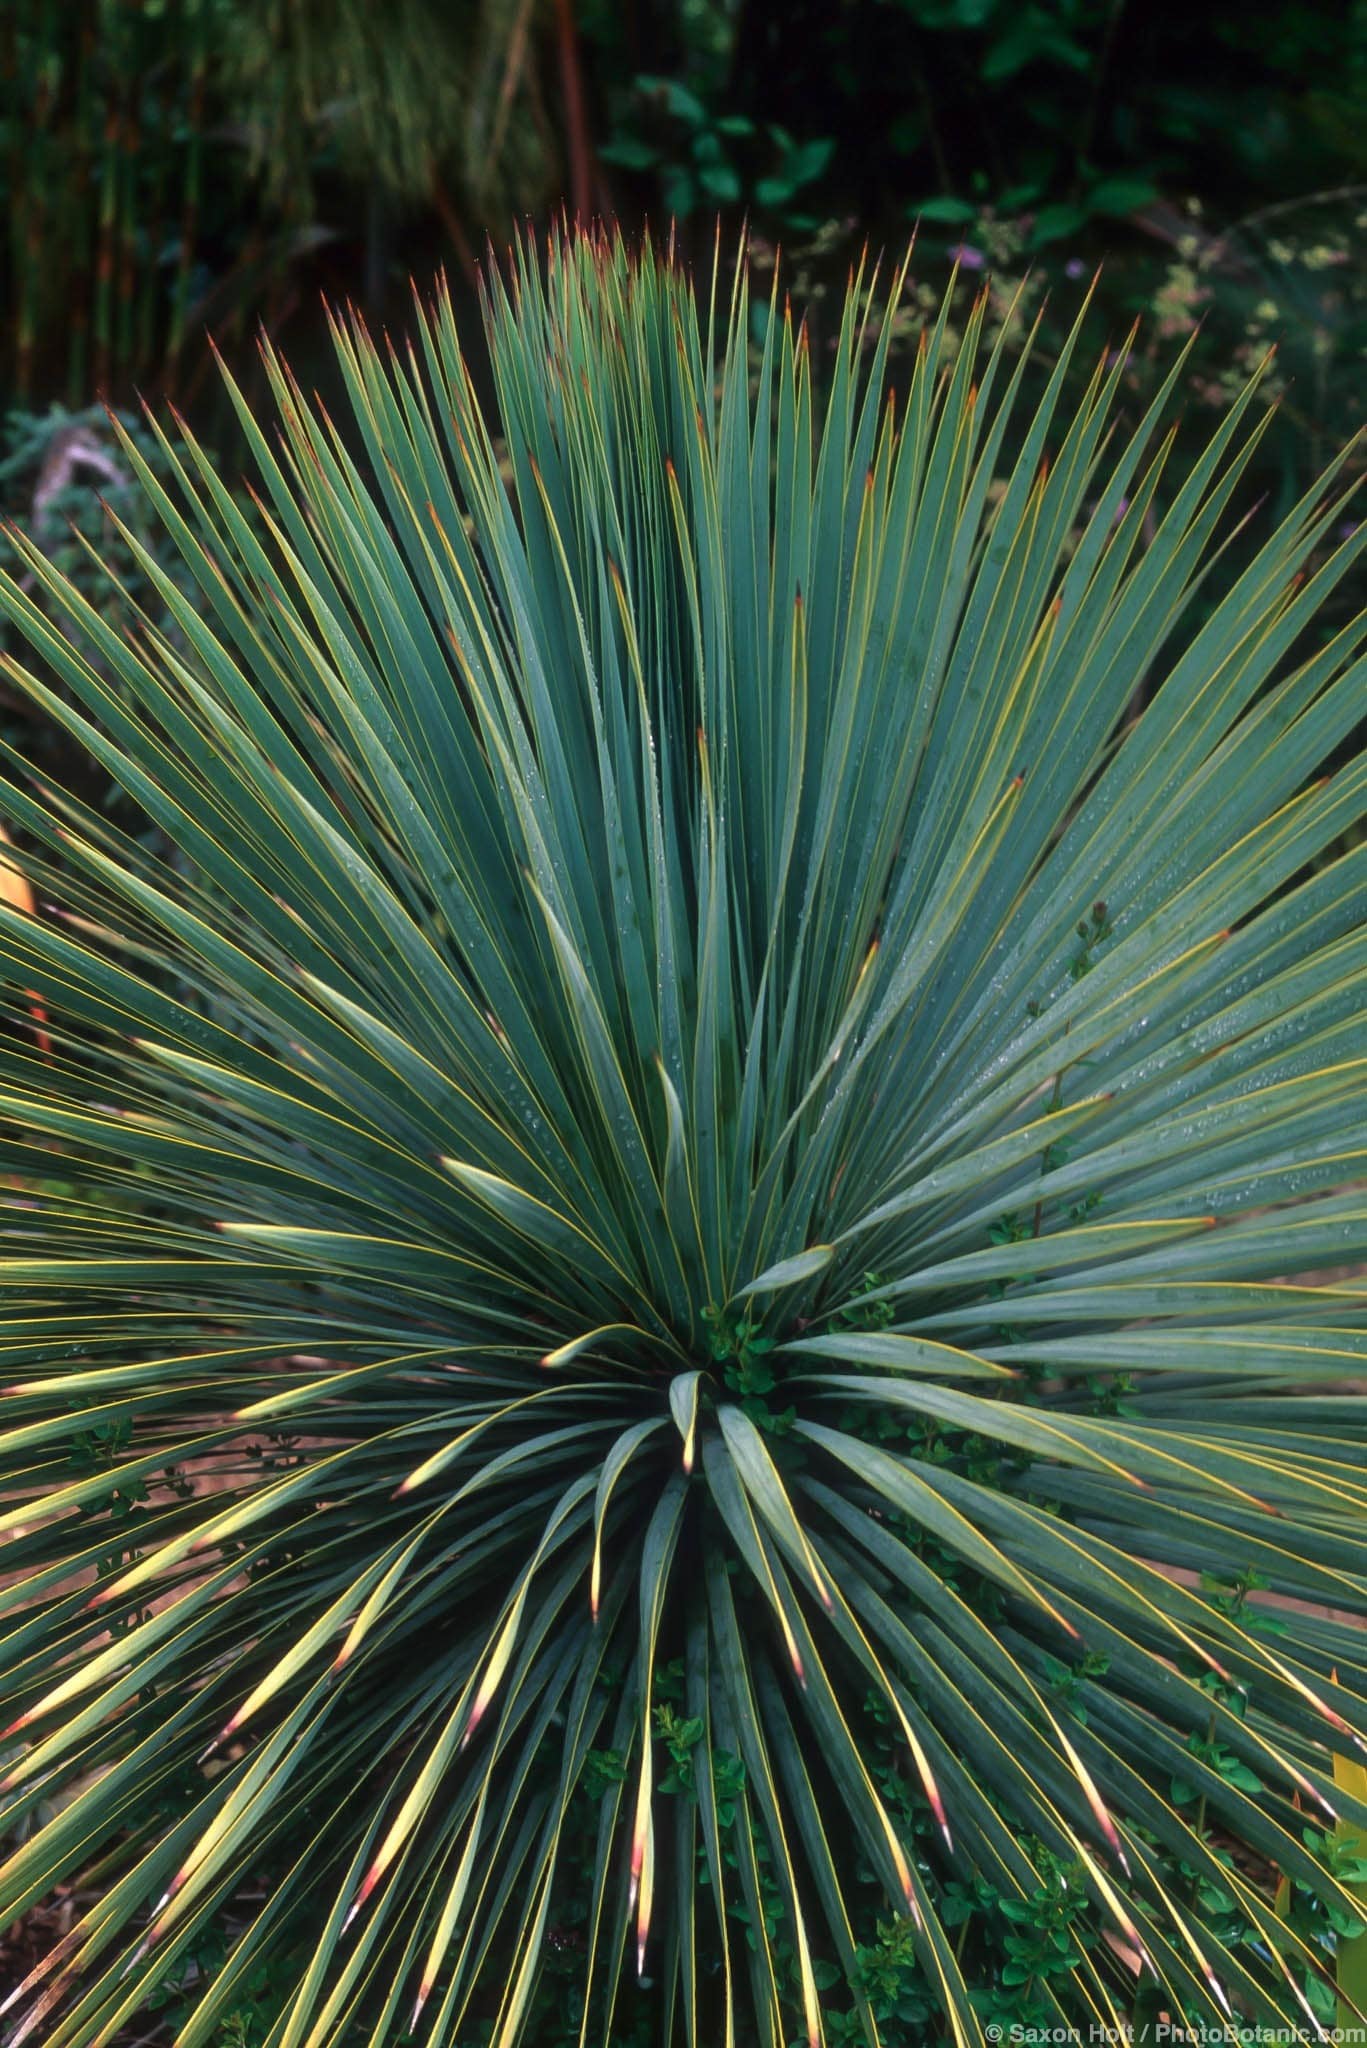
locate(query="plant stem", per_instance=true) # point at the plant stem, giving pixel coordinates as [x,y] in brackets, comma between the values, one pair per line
[576,118]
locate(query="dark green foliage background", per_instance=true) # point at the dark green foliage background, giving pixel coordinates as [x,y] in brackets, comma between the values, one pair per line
[170,163]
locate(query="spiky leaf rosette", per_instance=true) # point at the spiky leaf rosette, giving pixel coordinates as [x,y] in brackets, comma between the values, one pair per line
[661,1203]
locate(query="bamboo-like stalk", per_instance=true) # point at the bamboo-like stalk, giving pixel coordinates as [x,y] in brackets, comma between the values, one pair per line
[10,24]
[33,216]
[577,144]
[151,206]
[108,212]
[129,148]
[197,41]
[83,154]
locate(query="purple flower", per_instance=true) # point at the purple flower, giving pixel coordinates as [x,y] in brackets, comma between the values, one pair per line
[967,257]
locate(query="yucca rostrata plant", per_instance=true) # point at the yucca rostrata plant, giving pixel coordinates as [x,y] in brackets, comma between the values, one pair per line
[664,1212]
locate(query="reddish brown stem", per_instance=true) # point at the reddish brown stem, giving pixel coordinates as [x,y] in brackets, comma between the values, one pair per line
[578,148]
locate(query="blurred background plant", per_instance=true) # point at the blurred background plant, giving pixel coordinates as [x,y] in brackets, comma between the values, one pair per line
[174,164]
